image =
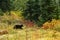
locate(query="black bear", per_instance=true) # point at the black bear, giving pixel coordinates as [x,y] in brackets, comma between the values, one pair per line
[18,27]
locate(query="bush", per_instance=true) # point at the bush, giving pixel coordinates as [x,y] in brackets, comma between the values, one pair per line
[53,24]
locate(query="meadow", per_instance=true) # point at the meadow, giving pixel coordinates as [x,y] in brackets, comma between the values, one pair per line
[49,30]
[40,19]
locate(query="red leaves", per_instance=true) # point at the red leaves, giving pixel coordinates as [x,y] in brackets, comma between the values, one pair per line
[29,23]
[3,32]
[51,24]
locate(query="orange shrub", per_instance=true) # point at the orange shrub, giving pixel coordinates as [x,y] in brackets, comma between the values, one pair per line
[29,23]
[46,25]
[51,24]
[3,32]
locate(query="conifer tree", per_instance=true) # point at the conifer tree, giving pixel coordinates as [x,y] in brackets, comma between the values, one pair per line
[32,11]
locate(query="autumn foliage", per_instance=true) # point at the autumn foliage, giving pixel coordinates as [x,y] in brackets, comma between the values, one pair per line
[29,23]
[51,24]
[3,32]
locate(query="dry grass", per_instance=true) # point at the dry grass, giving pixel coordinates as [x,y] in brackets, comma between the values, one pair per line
[7,23]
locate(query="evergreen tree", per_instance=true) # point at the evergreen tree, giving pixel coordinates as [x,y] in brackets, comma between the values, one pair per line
[5,5]
[32,12]
[48,9]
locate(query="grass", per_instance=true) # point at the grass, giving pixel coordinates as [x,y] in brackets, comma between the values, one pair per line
[28,34]
[7,23]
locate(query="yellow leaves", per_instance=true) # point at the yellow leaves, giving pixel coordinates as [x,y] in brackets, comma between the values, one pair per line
[47,25]
[14,15]
[51,24]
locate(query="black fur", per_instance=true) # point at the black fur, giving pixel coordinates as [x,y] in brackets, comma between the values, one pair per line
[18,27]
